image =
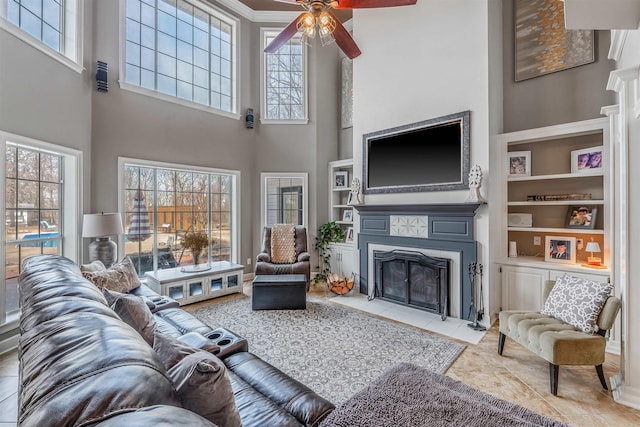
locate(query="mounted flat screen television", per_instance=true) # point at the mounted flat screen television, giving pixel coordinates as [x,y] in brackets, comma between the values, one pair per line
[432,155]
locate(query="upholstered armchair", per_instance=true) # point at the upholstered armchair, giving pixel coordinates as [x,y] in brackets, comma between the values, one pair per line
[266,264]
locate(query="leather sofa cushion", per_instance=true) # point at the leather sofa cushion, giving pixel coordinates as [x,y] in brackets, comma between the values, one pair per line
[183,321]
[133,311]
[157,416]
[298,399]
[91,358]
[120,277]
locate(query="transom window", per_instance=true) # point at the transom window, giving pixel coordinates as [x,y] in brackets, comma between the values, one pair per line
[284,84]
[181,49]
[51,26]
[173,202]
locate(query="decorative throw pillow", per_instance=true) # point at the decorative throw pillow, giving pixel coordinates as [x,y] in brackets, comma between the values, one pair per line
[134,312]
[170,349]
[283,243]
[96,265]
[120,277]
[577,301]
[204,388]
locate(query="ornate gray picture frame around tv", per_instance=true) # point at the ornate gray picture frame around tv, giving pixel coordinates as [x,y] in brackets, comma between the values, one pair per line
[431,155]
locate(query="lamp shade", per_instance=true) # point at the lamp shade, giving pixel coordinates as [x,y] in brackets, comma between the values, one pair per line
[102,224]
[593,247]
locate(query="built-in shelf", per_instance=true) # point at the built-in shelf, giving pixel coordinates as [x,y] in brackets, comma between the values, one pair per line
[341,206]
[556,230]
[342,189]
[557,202]
[338,199]
[345,222]
[555,176]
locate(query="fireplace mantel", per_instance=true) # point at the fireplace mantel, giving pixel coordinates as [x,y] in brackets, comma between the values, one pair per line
[441,226]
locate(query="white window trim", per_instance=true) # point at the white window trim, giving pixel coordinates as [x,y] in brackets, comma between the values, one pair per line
[235,200]
[263,194]
[72,35]
[263,87]
[235,65]
[72,202]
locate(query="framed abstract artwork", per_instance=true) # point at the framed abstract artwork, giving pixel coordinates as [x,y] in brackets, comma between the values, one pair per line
[542,44]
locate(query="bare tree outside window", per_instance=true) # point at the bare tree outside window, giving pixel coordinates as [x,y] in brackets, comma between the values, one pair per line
[177,202]
[284,81]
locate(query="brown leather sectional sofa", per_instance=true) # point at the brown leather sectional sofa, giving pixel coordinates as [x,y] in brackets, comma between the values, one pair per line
[80,364]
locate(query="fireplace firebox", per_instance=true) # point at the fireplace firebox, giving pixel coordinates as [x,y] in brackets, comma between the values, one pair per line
[413,279]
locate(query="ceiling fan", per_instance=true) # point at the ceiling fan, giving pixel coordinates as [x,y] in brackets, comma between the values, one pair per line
[318,18]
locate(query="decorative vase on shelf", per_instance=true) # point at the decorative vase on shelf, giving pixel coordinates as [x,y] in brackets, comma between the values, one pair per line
[195,255]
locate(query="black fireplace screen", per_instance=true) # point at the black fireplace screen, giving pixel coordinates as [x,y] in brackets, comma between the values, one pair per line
[413,279]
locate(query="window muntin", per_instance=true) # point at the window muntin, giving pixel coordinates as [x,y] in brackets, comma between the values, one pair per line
[284,80]
[33,210]
[179,201]
[284,198]
[51,26]
[181,49]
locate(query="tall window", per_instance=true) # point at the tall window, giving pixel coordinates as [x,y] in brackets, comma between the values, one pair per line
[176,201]
[41,206]
[284,198]
[284,86]
[181,49]
[52,23]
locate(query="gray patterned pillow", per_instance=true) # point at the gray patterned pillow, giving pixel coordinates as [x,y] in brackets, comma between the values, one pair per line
[577,301]
[120,277]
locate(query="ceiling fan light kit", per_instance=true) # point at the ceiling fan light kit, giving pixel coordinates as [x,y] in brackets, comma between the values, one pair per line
[319,19]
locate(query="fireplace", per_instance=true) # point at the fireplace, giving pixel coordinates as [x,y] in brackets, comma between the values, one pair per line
[413,279]
[435,230]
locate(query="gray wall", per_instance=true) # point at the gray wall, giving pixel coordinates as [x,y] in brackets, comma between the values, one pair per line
[561,97]
[41,98]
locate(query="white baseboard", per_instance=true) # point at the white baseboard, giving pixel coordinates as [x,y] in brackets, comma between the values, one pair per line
[613,347]
[623,394]
[9,344]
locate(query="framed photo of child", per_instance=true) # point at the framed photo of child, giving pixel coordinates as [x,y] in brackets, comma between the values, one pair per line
[519,163]
[340,179]
[581,217]
[587,160]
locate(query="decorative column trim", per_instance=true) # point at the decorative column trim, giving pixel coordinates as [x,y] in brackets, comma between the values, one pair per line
[617,81]
[618,38]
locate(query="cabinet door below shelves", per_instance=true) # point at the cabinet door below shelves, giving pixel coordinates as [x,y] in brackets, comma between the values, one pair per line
[522,288]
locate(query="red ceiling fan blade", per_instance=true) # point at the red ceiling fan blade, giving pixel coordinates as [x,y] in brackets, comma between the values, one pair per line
[364,4]
[344,40]
[284,35]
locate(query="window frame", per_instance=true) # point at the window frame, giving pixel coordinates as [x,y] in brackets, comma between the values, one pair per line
[235,232]
[72,35]
[72,207]
[269,32]
[233,21]
[264,176]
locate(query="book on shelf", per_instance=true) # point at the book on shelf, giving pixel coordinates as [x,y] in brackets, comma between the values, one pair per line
[552,197]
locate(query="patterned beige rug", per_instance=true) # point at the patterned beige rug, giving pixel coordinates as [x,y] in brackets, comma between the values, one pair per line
[333,350]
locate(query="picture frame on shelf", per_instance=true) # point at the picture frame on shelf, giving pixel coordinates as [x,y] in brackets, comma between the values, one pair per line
[587,160]
[349,236]
[347,215]
[519,163]
[560,249]
[581,217]
[341,179]
[350,199]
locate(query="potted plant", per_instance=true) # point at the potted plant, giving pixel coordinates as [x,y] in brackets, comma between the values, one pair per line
[195,241]
[327,233]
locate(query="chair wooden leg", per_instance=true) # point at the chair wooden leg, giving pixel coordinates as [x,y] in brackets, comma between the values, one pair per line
[601,376]
[553,378]
[501,343]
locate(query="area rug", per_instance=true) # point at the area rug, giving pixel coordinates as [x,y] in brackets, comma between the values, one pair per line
[407,395]
[333,350]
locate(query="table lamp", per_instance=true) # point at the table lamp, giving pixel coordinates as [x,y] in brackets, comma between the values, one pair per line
[593,247]
[101,226]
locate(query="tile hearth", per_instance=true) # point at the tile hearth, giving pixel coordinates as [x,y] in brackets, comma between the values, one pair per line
[450,327]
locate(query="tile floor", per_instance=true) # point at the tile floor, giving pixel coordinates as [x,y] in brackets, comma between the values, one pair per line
[519,376]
